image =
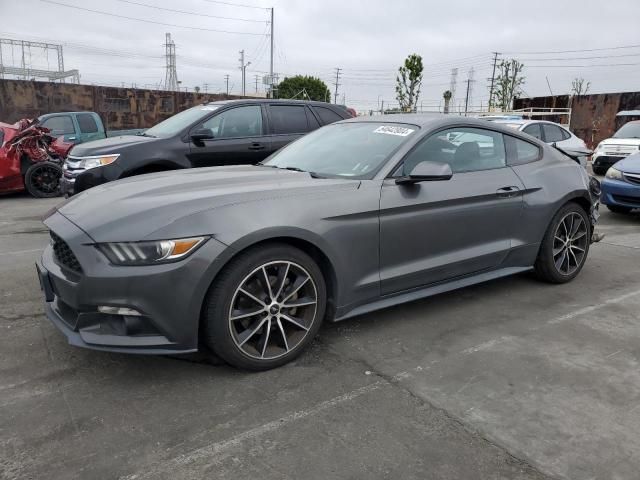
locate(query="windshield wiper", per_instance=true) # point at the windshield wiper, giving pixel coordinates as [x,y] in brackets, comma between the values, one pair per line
[293,169]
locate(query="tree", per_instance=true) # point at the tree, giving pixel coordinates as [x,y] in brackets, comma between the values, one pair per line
[579,86]
[447,99]
[408,82]
[196,89]
[304,87]
[508,84]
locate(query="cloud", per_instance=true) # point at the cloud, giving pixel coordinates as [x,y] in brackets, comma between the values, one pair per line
[367,39]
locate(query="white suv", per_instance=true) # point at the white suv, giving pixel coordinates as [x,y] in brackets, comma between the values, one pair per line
[623,143]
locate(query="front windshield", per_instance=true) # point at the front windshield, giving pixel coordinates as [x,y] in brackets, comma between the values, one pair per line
[174,125]
[630,130]
[344,149]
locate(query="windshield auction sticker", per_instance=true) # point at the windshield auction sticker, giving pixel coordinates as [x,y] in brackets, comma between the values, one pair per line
[393,130]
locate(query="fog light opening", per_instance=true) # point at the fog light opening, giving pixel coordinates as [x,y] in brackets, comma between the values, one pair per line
[130,312]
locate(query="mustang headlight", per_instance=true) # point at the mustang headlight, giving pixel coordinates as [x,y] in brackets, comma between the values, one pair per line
[98,161]
[614,174]
[148,253]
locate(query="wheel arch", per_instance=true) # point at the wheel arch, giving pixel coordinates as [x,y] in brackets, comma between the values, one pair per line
[299,239]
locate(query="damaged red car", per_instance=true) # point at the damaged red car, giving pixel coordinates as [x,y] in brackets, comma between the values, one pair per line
[31,159]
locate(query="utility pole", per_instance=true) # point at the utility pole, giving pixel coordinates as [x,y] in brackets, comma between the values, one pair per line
[243,68]
[466,100]
[226,80]
[337,84]
[493,78]
[257,78]
[271,60]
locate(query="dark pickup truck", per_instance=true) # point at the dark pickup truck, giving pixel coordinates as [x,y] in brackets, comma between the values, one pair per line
[230,132]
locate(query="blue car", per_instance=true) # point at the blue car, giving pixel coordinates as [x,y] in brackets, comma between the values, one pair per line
[621,185]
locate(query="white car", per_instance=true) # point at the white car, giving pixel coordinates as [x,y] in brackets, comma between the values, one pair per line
[549,132]
[623,143]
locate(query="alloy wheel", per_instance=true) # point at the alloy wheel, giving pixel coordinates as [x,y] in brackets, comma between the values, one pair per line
[570,243]
[45,179]
[273,309]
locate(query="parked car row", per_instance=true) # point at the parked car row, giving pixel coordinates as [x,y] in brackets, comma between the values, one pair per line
[249,260]
[233,132]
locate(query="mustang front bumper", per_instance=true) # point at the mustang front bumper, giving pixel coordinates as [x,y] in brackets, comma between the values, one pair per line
[162,302]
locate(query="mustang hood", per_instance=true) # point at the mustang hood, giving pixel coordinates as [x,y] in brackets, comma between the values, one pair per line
[107,212]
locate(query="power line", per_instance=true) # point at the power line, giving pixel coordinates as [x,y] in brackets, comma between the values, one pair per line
[581,58]
[148,21]
[584,66]
[236,4]
[199,14]
[574,51]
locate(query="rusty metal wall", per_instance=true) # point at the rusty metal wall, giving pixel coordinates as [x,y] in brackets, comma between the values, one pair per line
[119,108]
[593,117]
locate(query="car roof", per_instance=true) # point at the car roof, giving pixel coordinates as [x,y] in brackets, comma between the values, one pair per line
[272,100]
[426,120]
[529,121]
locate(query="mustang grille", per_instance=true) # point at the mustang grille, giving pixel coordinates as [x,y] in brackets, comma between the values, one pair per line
[64,254]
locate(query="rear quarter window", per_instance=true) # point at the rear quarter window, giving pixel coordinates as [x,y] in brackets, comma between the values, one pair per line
[520,152]
[327,115]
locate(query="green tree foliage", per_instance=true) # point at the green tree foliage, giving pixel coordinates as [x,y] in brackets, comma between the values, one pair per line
[508,84]
[304,87]
[408,82]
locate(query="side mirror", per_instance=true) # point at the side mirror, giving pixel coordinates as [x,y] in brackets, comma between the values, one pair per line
[201,134]
[427,172]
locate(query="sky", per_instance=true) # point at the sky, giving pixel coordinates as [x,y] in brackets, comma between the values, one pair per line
[556,40]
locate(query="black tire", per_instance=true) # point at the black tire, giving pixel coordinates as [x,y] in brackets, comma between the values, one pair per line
[619,209]
[599,170]
[223,335]
[42,179]
[546,267]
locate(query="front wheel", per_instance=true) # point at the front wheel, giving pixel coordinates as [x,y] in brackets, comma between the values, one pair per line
[619,209]
[42,179]
[265,307]
[565,245]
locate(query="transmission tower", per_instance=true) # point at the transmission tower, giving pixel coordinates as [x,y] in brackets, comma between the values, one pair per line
[25,70]
[452,85]
[171,76]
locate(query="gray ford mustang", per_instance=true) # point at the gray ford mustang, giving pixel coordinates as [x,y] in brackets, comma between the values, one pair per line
[354,217]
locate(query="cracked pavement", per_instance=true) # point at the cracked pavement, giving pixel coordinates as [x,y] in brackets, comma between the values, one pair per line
[513,379]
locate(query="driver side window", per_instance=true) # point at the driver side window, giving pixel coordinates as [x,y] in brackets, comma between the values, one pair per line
[464,149]
[236,123]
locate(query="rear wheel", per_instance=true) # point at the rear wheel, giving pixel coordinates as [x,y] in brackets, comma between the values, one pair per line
[42,179]
[265,307]
[565,246]
[619,209]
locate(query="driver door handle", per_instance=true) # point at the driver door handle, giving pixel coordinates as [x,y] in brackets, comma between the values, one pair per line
[256,146]
[508,192]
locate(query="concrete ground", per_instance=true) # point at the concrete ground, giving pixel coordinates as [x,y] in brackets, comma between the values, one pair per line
[514,379]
